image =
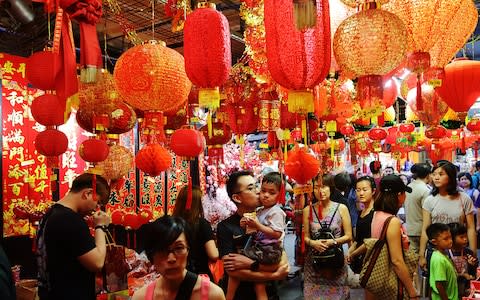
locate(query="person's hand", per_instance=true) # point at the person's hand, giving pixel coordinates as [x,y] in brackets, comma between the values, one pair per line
[348,259]
[235,261]
[422,262]
[472,260]
[100,218]
[319,245]
[281,272]
[252,222]
[243,222]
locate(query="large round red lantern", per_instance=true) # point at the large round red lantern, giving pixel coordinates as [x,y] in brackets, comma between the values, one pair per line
[318,135]
[152,77]
[121,119]
[46,110]
[51,142]
[406,127]
[301,166]
[377,134]
[474,125]
[117,164]
[460,88]
[187,142]
[347,130]
[41,71]
[207,52]
[436,132]
[153,159]
[297,60]
[93,150]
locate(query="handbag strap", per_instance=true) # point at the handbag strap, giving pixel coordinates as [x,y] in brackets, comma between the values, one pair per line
[331,220]
[375,253]
[205,287]
[186,287]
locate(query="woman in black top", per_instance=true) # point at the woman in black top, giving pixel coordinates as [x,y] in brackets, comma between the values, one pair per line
[365,190]
[203,248]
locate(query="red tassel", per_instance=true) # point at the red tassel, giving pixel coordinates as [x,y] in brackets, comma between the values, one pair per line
[281,195]
[302,246]
[94,187]
[419,92]
[398,165]
[463,142]
[364,168]
[188,205]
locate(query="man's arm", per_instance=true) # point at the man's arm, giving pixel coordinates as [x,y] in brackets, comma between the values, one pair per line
[441,289]
[94,259]
[238,266]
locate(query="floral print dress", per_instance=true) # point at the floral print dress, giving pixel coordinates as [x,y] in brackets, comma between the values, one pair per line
[328,284]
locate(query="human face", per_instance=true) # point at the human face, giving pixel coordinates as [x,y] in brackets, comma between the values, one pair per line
[464,182]
[269,194]
[89,203]
[461,240]
[404,179]
[322,192]
[172,263]
[388,171]
[247,193]
[440,178]
[443,241]
[364,191]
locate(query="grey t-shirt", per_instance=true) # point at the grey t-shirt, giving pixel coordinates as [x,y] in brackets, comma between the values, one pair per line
[413,207]
[445,210]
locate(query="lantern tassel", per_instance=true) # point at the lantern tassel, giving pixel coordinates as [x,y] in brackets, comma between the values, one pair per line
[209,124]
[188,205]
[419,92]
[300,101]
[209,98]
[281,195]
[304,131]
[305,14]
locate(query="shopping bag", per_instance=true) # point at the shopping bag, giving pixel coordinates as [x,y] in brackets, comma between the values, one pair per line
[116,268]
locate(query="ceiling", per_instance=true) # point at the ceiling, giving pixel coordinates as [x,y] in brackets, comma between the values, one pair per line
[18,39]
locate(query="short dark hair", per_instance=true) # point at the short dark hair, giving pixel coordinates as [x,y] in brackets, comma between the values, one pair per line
[162,232]
[435,229]
[342,181]
[375,166]
[232,181]
[369,179]
[457,229]
[421,170]
[466,174]
[273,177]
[477,165]
[390,167]
[451,171]
[85,181]
[387,202]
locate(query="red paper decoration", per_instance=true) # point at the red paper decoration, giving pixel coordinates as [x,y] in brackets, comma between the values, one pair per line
[121,119]
[243,119]
[93,150]
[187,142]
[377,134]
[153,159]
[41,70]
[221,134]
[207,52]
[434,108]
[117,164]
[152,77]
[297,60]
[436,132]
[51,142]
[301,166]
[47,111]
[460,88]
[347,130]
[406,128]
[474,125]
[318,135]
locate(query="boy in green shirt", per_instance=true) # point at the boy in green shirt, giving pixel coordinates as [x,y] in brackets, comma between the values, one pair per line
[443,277]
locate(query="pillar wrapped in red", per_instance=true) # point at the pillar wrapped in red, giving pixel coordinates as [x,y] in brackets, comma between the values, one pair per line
[297,60]
[207,52]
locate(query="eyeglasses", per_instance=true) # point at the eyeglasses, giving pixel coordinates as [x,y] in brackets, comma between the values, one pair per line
[250,188]
[178,251]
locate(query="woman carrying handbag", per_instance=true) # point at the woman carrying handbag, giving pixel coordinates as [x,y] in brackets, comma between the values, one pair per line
[331,218]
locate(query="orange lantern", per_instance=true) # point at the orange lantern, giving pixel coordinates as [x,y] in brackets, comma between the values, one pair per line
[297,60]
[121,119]
[152,77]
[117,164]
[153,159]
[370,44]
[100,97]
[207,52]
[301,166]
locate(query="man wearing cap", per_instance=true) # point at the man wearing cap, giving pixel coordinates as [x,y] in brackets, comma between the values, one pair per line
[414,202]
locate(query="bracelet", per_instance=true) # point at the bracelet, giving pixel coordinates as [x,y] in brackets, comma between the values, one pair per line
[104,228]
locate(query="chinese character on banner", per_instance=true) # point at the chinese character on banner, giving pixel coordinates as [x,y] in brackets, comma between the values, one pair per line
[176,179]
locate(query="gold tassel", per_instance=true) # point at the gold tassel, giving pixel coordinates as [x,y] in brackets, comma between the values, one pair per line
[304,131]
[300,101]
[304,14]
[209,124]
[89,74]
[209,98]
[72,102]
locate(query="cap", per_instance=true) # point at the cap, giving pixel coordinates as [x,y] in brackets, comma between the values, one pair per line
[393,183]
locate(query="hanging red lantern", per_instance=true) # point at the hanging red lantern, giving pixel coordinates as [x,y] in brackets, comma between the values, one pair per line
[187,142]
[118,217]
[347,130]
[207,52]
[221,134]
[434,108]
[301,166]
[390,91]
[132,221]
[41,70]
[153,159]
[474,125]
[117,164]
[243,119]
[47,110]
[392,135]
[377,134]
[436,132]
[51,143]
[406,127]
[152,77]
[99,97]
[460,88]
[297,60]
[318,135]
[93,150]
[287,119]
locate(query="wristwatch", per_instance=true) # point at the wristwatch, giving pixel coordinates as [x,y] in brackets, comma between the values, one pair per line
[254,266]
[102,227]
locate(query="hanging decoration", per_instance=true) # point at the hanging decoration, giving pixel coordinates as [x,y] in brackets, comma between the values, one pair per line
[117,164]
[187,142]
[120,120]
[434,107]
[297,60]
[301,166]
[153,159]
[304,14]
[51,143]
[207,52]
[243,119]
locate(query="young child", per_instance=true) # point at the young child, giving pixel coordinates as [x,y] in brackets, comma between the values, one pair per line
[265,246]
[463,258]
[443,277]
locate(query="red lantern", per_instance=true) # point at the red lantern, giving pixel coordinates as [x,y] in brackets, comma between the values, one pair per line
[319,135]
[152,77]
[392,135]
[41,70]
[132,221]
[347,130]
[207,52]
[93,150]
[390,92]
[297,60]
[153,159]
[243,118]
[187,142]
[460,88]
[436,132]
[145,215]
[377,134]
[221,134]
[474,125]
[406,128]
[51,142]
[434,108]
[122,119]
[47,110]
[117,164]
[118,217]
[301,166]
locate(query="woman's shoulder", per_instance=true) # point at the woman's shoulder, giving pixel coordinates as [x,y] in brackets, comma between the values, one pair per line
[214,291]
[140,293]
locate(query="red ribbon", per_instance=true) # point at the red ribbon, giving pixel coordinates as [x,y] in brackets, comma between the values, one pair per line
[188,205]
